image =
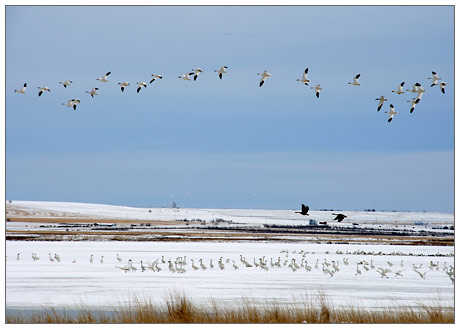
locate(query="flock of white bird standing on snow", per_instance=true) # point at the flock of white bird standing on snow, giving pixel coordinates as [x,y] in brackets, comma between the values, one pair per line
[294,261]
[416,88]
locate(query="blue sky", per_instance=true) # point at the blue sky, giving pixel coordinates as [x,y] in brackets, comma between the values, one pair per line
[228,143]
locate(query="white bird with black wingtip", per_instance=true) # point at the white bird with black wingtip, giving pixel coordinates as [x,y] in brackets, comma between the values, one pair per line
[104,77]
[265,75]
[186,76]
[123,85]
[221,71]
[442,85]
[400,89]
[140,85]
[66,83]
[412,102]
[156,76]
[435,78]
[72,103]
[355,81]
[22,90]
[381,100]
[196,72]
[317,89]
[92,92]
[420,92]
[304,79]
[42,89]
[392,113]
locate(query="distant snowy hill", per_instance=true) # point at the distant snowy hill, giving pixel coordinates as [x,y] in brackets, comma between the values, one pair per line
[40,209]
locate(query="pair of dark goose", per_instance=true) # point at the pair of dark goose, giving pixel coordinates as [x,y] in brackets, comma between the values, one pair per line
[305,209]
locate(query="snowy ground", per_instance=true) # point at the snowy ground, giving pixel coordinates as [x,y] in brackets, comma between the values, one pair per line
[41,283]
[258,217]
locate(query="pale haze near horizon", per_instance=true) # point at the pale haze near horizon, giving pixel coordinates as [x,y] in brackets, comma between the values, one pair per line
[228,143]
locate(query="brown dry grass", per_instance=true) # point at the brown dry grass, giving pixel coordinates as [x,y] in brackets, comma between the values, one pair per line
[178,308]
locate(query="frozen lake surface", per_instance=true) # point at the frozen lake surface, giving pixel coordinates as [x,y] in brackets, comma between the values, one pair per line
[43,282]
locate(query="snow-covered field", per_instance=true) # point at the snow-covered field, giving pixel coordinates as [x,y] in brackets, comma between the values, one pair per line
[43,282]
[74,279]
[41,209]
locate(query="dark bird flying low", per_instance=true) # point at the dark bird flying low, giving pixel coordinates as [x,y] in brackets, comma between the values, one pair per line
[339,217]
[304,210]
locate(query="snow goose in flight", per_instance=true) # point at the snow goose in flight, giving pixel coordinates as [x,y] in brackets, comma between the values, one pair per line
[72,103]
[381,100]
[264,75]
[435,78]
[392,112]
[420,92]
[123,85]
[304,79]
[104,78]
[22,90]
[140,85]
[42,89]
[196,72]
[92,92]
[222,70]
[186,76]
[317,89]
[412,102]
[355,81]
[66,83]
[156,76]
[442,85]
[414,89]
[400,89]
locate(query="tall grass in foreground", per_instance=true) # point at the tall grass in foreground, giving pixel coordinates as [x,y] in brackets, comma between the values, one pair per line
[178,308]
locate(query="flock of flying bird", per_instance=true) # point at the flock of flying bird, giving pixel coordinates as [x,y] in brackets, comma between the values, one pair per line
[417,87]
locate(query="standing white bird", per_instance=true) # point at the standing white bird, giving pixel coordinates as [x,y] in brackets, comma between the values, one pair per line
[265,76]
[435,78]
[381,100]
[104,78]
[392,112]
[196,73]
[420,92]
[412,104]
[355,81]
[123,85]
[222,70]
[400,89]
[304,79]
[92,92]
[22,90]
[66,83]
[317,89]
[442,85]
[156,76]
[140,85]
[42,89]
[186,76]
